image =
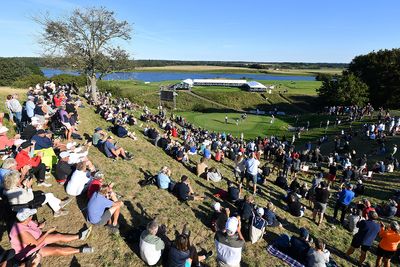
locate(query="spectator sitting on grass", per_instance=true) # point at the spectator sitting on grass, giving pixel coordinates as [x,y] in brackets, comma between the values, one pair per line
[120,131]
[184,190]
[164,179]
[104,208]
[21,193]
[201,167]
[299,246]
[318,256]
[151,246]
[63,169]
[219,217]
[27,237]
[98,137]
[112,151]
[270,216]
[214,175]
[79,180]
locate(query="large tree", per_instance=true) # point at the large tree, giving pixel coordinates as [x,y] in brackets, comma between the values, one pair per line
[87,39]
[347,89]
[381,72]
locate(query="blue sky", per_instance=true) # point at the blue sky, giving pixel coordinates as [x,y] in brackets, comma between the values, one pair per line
[252,30]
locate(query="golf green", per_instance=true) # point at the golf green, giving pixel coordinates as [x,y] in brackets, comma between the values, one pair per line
[251,127]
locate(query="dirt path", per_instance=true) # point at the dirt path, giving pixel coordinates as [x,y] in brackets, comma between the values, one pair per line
[211,101]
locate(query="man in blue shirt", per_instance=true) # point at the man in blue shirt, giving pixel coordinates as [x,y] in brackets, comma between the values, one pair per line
[364,238]
[104,208]
[343,202]
[112,151]
[42,141]
[252,171]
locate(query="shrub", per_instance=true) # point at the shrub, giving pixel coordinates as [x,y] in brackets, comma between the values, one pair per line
[68,78]
[11,69]
[104,86]
[27,81]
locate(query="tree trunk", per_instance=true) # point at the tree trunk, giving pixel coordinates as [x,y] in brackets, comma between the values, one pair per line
[93,87]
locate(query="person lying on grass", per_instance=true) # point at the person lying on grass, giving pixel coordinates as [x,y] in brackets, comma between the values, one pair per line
[104,208]
[27,237]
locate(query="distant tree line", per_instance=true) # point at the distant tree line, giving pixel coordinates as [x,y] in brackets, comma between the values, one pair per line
[373,78]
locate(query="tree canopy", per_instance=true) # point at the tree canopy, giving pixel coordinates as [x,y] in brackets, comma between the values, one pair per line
[11,69]
[347,89]
[381,72]
[87,39]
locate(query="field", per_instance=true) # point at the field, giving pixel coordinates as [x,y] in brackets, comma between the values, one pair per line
[141,204]
[222,69]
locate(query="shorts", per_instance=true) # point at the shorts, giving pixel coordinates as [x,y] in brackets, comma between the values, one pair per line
[251,177]
[331,177]
[105,218]
[320,207]
[384,253]
[356,244]
[67,125]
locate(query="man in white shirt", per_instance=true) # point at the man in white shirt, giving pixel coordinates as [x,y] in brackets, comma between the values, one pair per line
[151,246]
[79,180]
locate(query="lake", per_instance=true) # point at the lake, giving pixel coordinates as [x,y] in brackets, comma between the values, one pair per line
[169,76]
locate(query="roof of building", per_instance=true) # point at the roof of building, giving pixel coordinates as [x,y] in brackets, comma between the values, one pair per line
[222,81]
[254,84]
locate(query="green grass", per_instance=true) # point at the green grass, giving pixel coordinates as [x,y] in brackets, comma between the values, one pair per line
[149,202]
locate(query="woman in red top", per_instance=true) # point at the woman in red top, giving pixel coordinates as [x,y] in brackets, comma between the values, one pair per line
[388,245]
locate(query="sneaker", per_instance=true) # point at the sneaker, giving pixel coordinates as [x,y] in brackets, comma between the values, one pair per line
[85,233]
[60,213]
[44,184]
[65,202]
[87,250]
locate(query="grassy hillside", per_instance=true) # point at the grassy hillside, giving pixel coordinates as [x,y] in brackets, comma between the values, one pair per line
[144,203]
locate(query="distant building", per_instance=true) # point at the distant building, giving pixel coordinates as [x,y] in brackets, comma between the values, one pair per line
[251,86]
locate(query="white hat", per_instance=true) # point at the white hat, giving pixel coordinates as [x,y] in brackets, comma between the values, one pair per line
[260,211]
[240,153]
[18,142]
[3,129]
[25,213]
[217,206]
[35,121]
[64,154]
[231,225]
[70,145]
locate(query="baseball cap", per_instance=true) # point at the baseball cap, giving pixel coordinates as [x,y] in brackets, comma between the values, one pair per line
[64,154]
[25,213]
[41,131]
[217,206]
[231,225]
[98,129]
[25,144]
[260,211]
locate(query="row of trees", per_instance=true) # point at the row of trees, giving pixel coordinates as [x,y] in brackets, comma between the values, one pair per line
[13,69]
[374,78]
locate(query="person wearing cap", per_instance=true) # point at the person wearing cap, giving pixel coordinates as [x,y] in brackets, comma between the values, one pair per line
[30,106]
[79,181]
[229,243]
[345,198]
[219,217]
[258,225]
[98,137]
[103,208]
[299,246]
[24,158]
[387,248]
[252,171]
[112,151]
[63,168]
[4,140]
[364,238]
[19,192]
[27,237]
[321,200]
